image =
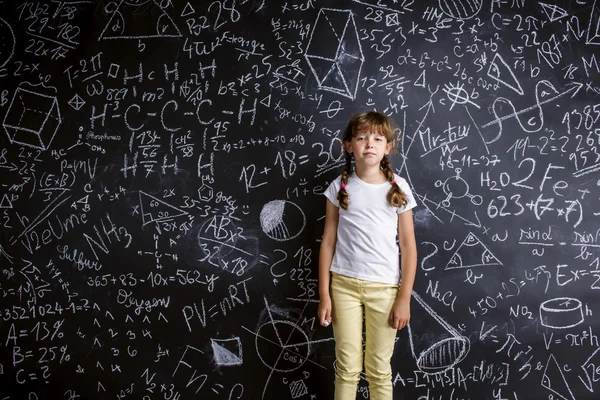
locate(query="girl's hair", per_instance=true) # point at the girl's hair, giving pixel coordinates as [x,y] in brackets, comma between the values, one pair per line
[371,121]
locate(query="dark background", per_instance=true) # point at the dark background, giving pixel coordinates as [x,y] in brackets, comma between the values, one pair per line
[162,167]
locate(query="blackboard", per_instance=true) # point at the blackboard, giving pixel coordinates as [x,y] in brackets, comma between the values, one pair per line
[163,164]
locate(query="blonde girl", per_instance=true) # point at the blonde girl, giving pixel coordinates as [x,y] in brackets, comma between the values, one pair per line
[360,281]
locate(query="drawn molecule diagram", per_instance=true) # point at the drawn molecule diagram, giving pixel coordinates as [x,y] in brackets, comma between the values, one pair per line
[456,187]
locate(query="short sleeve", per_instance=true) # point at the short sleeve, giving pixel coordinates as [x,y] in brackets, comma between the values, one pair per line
[332,191]
[411,202]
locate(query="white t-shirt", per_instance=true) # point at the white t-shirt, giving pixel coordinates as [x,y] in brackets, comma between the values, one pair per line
[366,235]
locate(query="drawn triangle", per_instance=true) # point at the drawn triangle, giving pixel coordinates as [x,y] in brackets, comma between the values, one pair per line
[5,202]
[472,253]
[128,22]
[266,101]
[224,356]
[501,72]
[593,31]
[187,10]
[334,81]
[554,380]
[554,12]
[320,67]
[155,210]
[350,43]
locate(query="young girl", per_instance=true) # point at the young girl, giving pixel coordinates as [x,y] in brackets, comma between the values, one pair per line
[359,266]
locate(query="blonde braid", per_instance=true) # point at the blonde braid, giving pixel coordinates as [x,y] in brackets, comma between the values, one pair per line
[342,196]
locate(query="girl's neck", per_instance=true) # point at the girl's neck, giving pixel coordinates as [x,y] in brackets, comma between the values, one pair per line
[373,175]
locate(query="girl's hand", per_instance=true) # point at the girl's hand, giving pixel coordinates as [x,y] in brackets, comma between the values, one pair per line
[400,314]
[324,312]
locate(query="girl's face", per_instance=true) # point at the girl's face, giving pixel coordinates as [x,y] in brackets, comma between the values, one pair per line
[368,147]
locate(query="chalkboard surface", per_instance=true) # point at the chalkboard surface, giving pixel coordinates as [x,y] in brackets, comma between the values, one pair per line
[162,167]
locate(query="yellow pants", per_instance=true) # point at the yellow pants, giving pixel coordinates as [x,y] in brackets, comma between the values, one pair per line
[354,301]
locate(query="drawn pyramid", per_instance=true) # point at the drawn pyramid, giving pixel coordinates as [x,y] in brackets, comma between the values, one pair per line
[554,380]
[224,355]
[139,19]
[472,253]
[155,210]
[593,31]
[554,12]
[501,72]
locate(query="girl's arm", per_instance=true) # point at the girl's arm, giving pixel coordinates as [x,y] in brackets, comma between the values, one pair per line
[408,248]
[400,315]
[325,257]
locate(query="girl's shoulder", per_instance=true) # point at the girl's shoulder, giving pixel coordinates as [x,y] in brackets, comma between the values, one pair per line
[400,179]
[336,182]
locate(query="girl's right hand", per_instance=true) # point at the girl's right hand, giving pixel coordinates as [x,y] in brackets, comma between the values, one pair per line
[324,312]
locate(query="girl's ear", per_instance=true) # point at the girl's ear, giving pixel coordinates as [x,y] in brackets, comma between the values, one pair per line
[388,147]
[348,146]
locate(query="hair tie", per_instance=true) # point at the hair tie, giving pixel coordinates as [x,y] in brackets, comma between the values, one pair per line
[343,186]
[394,182]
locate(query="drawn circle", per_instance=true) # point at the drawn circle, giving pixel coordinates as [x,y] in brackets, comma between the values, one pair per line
[282,220]
[282,357]
[443,355]
[456,187]
[457,95]
[7,42]
[561,313]
[460,9]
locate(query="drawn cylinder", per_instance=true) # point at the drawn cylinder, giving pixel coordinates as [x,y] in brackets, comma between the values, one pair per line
[561,313]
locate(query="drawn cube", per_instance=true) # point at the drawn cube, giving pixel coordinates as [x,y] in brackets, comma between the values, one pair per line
[32,119]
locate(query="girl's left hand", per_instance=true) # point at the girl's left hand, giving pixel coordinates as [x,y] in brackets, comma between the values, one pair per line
[400,314]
